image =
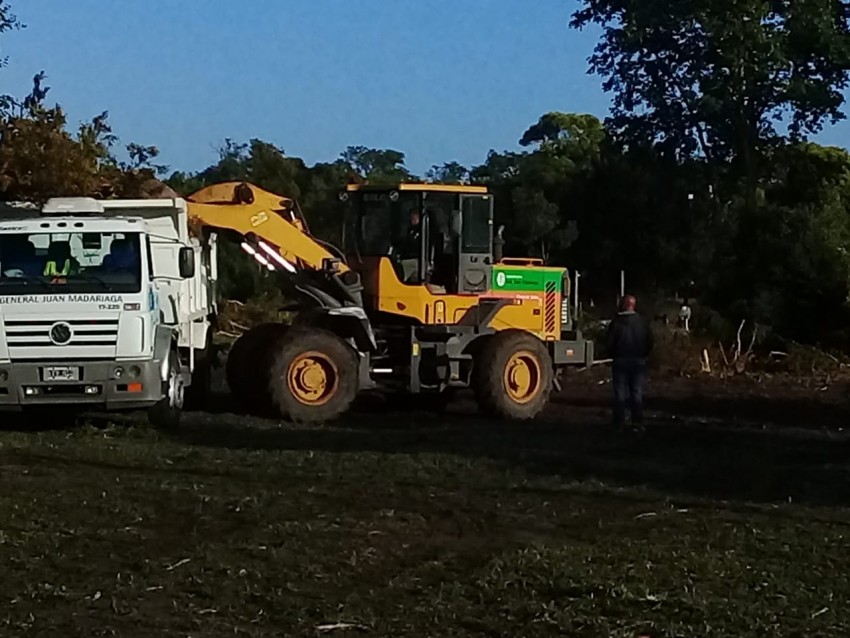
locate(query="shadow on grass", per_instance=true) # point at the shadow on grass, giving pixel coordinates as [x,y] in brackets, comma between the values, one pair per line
[767,464]
[797,412]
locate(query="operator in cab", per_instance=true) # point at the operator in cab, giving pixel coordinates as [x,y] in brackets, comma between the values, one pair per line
[410,247]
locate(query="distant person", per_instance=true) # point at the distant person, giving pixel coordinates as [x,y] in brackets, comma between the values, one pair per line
[685,315]
[630,343]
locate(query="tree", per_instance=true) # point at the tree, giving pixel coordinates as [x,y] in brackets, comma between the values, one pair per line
[8,22]
[579,136]
[40,158]
[378,166]
[448,173]
[805,243]
[535,190]
[718,77]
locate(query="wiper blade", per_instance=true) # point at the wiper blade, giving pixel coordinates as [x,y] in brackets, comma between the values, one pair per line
[28,279]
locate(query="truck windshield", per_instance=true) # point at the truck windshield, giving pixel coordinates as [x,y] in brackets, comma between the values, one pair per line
[70,262]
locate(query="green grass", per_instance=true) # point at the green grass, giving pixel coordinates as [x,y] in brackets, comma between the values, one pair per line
[417,528]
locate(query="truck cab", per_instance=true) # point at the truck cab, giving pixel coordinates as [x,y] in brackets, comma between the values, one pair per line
[103,304]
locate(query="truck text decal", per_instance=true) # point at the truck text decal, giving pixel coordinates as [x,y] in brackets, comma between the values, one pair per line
[36,299]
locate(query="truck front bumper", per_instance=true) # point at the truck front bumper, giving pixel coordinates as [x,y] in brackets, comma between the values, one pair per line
[107,385]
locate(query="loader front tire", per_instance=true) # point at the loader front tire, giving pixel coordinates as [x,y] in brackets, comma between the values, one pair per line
[314,376]
[512,376]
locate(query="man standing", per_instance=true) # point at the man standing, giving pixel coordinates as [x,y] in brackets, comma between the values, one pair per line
[630,343]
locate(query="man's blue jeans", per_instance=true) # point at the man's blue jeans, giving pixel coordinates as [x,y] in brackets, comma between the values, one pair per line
[629,380]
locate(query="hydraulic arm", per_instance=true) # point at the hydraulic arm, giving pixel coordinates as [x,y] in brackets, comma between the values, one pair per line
[269,224]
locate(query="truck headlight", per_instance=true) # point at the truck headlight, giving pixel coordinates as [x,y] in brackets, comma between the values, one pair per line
[118,372]
[4,376]
[135,372]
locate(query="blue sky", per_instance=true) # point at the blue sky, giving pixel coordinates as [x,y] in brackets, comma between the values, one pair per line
[437,79]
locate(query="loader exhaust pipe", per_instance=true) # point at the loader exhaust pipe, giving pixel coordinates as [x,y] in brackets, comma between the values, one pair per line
[499,245]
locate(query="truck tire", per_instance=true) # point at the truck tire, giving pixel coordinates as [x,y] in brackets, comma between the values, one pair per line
[512,376]
[249,362]
[166,414]
[314,376]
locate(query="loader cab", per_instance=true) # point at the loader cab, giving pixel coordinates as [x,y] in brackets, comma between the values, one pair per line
[433,235]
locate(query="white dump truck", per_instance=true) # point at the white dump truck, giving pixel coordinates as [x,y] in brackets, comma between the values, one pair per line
[104,304]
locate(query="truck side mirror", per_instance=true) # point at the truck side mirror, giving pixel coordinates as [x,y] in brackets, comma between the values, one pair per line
[186,262]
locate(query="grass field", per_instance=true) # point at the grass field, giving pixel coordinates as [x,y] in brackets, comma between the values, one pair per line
[728,517]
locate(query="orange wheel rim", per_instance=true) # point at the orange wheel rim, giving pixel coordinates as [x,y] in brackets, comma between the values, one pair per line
[523,377]
[312,378]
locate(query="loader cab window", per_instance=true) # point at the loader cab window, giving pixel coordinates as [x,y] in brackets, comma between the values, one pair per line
[433,237]
[382,223]
[477,225]
[388,224]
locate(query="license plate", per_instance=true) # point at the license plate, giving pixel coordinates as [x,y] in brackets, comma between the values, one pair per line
[62,374]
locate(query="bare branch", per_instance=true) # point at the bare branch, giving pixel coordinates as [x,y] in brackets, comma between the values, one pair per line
[738,338]
[753,340]
[723,352]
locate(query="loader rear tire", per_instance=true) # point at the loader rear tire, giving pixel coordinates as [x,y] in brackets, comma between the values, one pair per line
[314,376]
[249,363]
[512,376]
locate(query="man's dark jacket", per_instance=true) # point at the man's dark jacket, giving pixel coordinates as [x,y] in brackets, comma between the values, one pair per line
[629,337]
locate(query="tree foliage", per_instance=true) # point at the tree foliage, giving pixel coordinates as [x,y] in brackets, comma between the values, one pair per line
[378,166]
[41,158]
[448,173]
[719,76]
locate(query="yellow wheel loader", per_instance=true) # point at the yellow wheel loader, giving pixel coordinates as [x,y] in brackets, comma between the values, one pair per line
[419,301]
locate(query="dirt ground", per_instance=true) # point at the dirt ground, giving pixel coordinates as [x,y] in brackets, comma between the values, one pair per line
[727,517]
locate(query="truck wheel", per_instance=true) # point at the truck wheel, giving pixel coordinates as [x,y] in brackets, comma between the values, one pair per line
[314,376]
[248,364]
[512,376]
[166,414]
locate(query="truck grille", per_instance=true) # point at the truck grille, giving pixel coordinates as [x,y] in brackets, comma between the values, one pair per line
[59,338]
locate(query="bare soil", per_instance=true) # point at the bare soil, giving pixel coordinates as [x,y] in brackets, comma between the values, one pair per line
[728,516]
